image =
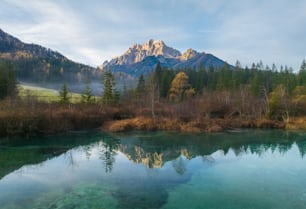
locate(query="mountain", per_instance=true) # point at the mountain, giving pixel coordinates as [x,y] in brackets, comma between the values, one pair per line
[142,59]
[138,52]
[34,63]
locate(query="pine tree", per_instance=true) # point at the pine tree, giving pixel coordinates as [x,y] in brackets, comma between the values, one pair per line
[140,89]
[158,73]
[7,80]
[87,96]
[255,84]
[63,94]
[302,74]
[110,94]
[157,78]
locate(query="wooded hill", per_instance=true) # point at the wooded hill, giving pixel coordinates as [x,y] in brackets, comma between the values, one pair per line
[37,64]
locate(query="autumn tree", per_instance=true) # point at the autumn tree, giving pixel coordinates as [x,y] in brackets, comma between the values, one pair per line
[279,103]
[180,88]
[299,99]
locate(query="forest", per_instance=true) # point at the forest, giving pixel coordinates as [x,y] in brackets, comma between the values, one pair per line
[189,100]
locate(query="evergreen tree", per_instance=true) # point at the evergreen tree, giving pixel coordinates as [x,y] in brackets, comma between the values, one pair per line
[158,73]
[110,94]
[238,65]
[116,96]
[302,74]
[140,89]
[166,78]
[157,78]
[87,96]
[7,80]
[63,94]
[224,78]
[255,84]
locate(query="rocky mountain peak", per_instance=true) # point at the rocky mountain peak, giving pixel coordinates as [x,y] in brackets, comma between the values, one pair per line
[143,58]
[190,53]
[138,52]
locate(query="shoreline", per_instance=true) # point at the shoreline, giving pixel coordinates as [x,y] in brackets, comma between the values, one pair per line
[203,125]
[26,120]
[142,123]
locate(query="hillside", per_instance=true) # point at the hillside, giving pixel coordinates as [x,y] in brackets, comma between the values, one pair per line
[34,63]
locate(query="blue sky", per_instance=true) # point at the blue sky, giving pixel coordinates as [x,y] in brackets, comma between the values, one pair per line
[93,31]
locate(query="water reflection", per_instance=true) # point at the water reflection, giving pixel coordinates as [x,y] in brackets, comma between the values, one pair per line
[137,170]
[155,150]
[17,152]
[151,150]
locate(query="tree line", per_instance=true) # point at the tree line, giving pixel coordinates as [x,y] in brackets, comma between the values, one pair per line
[277,92]
[233,90]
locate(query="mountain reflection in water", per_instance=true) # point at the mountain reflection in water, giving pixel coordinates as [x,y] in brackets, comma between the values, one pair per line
[150,149]
[154,150]
[151,170]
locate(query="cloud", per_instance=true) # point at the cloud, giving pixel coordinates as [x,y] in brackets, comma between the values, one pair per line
[91,32]
[97,33]
[261,31]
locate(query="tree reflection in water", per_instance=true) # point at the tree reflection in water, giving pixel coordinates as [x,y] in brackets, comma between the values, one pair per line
[150,165]
[154,150]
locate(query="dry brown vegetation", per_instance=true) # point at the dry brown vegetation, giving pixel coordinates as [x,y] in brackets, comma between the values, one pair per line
[204,125]
[209,112]
[296,123]
[21,118]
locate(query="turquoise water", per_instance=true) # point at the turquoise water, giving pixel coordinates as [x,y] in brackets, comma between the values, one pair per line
[242,169]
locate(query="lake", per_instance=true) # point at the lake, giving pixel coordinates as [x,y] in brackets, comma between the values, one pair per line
[243,169]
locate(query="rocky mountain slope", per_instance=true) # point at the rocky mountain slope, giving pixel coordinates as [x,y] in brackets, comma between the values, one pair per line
[141,59]
[138,52]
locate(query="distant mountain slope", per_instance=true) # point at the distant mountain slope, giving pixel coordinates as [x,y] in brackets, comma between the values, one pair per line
[34,63]
[141,59]
[201,59]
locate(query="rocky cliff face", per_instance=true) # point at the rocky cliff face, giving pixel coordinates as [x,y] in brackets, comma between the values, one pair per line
[190,53]
[138,52]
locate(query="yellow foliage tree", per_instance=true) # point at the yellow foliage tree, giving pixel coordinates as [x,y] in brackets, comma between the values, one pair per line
[180,88]
[279,103]
[299,99]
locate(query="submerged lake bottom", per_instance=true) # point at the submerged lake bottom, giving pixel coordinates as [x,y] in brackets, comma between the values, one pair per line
[247,169]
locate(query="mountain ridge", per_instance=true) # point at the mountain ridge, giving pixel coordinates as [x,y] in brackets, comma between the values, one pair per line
[38,64]
[138,52]
[142,59]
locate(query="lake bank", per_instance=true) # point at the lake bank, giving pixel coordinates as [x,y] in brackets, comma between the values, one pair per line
[28,119]
[195,125]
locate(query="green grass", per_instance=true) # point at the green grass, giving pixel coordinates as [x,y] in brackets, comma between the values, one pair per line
[45,94]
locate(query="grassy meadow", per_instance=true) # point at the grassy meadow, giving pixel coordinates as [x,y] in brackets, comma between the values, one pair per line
[45,94]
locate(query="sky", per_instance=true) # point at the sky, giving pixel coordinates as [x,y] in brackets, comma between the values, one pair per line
[92,31]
